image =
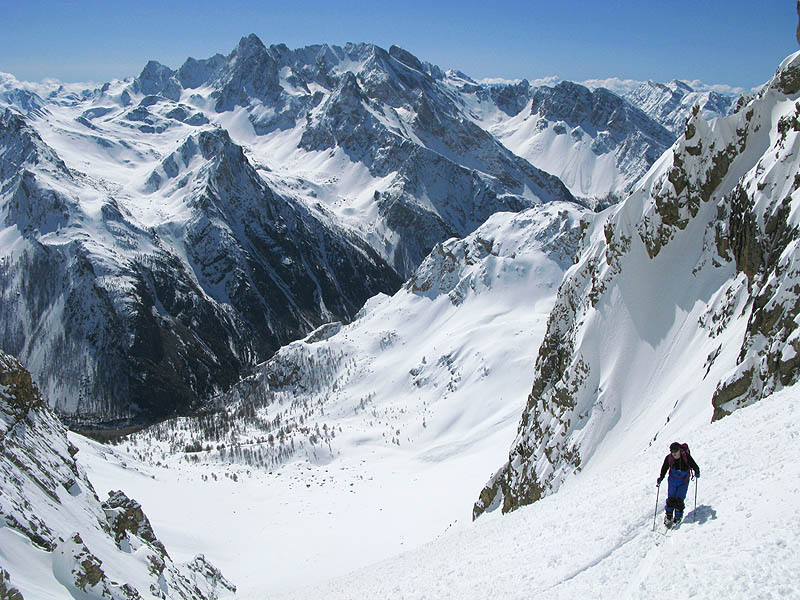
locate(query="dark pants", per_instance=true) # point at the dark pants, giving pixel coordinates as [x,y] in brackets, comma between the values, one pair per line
[677,486]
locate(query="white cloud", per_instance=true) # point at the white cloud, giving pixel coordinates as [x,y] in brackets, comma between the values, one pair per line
[721,88]
[615,84]
[8,81]
[552,80]
[499,81]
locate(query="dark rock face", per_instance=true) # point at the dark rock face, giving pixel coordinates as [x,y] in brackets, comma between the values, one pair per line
[20,392]
[126,516]
[597,110]
[8,591]
[155,78]
[511,99]
[251,72]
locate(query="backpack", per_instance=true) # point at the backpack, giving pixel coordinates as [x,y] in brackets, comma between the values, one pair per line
[685,454]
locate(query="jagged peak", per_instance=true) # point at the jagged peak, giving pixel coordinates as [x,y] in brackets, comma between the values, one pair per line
[24,147]
[349,87]
[217,142]
[249,46]
[201,158]
[251,54]
[157,80]
[405,57]
[194,73]
[787,77]
[154,69]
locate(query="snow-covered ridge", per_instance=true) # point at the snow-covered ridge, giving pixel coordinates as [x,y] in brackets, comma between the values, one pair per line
[597,142]
[279,189]
[669,103]
[58,537]
[682,303]
[312,398]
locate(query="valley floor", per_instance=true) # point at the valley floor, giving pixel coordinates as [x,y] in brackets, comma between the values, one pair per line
[300,533]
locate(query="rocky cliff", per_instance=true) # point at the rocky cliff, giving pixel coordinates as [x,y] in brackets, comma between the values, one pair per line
[58,537]
[685,298]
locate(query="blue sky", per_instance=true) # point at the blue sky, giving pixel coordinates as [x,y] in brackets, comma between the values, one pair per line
[735,42]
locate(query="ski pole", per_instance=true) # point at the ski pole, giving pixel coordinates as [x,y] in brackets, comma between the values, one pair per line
[655,513]
[694,514]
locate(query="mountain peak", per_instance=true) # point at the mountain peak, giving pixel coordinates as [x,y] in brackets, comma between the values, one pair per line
[157,79]
[250,73]
[405,57]
[787,78]
[677,84]
[250,45]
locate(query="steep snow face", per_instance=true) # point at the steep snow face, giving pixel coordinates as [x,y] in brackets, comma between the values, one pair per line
[683,304]
[58,537]
[670,103]
[595,537]
[596,142]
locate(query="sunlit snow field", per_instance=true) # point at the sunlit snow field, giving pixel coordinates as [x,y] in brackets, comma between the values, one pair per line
[405,527]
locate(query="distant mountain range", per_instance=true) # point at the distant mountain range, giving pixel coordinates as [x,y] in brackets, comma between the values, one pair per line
[163,235]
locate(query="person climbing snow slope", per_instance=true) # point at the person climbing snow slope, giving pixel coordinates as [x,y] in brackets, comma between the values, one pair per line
[680,465]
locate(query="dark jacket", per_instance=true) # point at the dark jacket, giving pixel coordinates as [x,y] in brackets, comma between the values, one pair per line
[680,465]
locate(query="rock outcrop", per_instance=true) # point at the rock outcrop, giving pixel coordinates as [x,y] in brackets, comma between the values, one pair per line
[47,504]
[701,258]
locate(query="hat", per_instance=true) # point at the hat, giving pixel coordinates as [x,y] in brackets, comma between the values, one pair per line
[674,447]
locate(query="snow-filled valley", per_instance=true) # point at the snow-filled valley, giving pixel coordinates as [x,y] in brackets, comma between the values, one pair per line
[421,406]
[593,539]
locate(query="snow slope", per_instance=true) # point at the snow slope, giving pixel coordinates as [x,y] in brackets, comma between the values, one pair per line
[309,533]
[683,302]
[595,538]
[368,438]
